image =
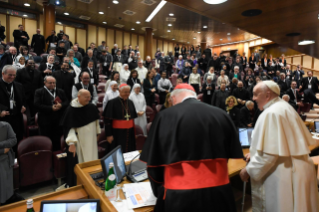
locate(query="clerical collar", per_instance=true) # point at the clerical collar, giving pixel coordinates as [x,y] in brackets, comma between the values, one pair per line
[6,82]
[188,97]
[271,102]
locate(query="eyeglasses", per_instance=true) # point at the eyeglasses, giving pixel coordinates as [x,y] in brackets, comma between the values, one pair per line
[11,75]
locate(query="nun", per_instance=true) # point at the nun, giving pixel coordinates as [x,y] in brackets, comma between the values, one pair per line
[124,73]
[140,105]
[111,93]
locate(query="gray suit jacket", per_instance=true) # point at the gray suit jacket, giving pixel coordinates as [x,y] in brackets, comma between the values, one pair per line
[7,140]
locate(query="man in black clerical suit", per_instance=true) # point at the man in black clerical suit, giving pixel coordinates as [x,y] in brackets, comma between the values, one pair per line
[179,148]
[31,79]
[220,96]
[38,43]
[161,62]
[245,119]
[81,50]
[208,53]
[294,95]
[87,58]
[169,62]
[106,61]
[241,94]
[202,63]
[12,101]
[119,125]
[298,74]
[125,52]
[213,62]
[52,40]
[309,85]
[283,83]
[60,35]
[20,37]
[51,103]
[94,74]
[65,80]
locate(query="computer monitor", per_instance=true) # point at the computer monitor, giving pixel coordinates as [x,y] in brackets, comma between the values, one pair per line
[116,157]
[316,126]
[245,136]
[81,205]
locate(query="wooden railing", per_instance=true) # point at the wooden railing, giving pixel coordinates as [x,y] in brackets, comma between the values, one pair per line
[308,63]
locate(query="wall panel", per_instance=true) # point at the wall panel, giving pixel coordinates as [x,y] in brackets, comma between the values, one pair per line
[110,38]
[316,64]
[101,36]
[141,45]
[160,45]
[58,27]
[296,60]
[14,22]
[119,39]
[3,20]
[127,38]
[171,47]
[41,24]
[30,28]
[165,49]
[91,34]
[154,47]
[307,61]
[134,41]
[81,38]
[70,31]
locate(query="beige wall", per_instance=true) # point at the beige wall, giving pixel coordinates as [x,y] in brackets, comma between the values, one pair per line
[127,38]
[41,24]
[165,48]
[58,27]
[3,19]
[81,38]
[119,38]
[14,22]
[30,28]
[171,47]
[160,45]
[91,34]
[141,45]
[154,47]
[101,36]
[307,61]
[110,38]
[70,31]
[134,41]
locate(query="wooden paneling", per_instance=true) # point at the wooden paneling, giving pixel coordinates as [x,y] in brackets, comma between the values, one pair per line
[81,38]
[154,47]
[119,38]
[101,36]
[307,61]
[297,60]
[316,64]
[171,47]
[30,28]
[127,38]
[91,34]
[110,38]
[141,46]
[41,24]
[165,49]
[134,40]
[14,22]
[70,31]
[58,27]
[3,20]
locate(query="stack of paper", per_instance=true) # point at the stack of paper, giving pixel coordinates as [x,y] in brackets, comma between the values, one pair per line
[139,195]
[128,156]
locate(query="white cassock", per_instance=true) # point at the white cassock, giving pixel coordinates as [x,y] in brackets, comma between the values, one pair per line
[282,174]
[84,138]
[140,106]
[117,66]
[109,95]
[124,75]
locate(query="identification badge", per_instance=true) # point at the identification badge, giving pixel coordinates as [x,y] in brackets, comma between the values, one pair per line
[92,80]
[208,92]
[105,64]
[12,103]
[309,86]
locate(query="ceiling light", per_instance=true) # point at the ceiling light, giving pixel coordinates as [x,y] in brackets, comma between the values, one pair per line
[25,15]
[132,29]
[153,34]
[27,5]
[57,2]
[101,13]
[108,7]
[220,39]
[169,25]
[173,39]
[228,33]
[171,14]
[194,38]
[187,42]
[204,27]
[306,42]
[168,30]
[214,1]
[59,23]
[138,22]
[223,23]
[155,11]
[66,14]
[104,22]
[198,32]
[115,2]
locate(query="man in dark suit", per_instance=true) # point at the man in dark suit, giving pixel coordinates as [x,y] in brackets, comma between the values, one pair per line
[257,56]
[106,61]
[20,37]
[298,74]
[125,51]
[283,83]
[94,74]
[169,62]
[38,43]
[5,59]
[287,72]
[161,62]
[87,58]
[81,50]
[52,39]
[114,50]
[241,94]
[12,101]
[294,95]
[65,79]
[220,96]
[94,50]
[309,85]
[31,80]
[50,102]
[245,120]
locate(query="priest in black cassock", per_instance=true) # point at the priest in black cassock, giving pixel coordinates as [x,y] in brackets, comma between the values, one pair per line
[20,37]
[38,43]
[187,154]
[119,115]
[65,79]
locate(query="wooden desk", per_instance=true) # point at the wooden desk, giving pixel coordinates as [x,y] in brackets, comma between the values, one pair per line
[76,192]
[84,170]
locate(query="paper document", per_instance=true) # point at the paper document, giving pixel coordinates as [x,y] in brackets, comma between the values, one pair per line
[122,206]
[128,156]
[139,195]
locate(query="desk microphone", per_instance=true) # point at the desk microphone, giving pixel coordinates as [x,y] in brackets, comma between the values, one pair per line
[129,174]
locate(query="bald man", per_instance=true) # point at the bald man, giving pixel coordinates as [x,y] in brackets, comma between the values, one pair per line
[82,128]
[38,43]
[282,173]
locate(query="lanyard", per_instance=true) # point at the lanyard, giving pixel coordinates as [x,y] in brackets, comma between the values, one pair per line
[91,72]
[53,95]
[11,93]
[134,82]
[309,80]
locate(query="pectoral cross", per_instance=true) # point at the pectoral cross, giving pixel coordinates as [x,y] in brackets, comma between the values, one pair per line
[127,116]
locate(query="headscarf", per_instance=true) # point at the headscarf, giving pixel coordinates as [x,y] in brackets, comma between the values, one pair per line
[136,85]
[111,83]
[124,67]
[228,108]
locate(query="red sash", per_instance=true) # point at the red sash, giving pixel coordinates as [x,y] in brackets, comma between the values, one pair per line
[123,124]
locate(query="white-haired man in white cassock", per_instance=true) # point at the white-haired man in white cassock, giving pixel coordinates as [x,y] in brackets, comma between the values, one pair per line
[282,174]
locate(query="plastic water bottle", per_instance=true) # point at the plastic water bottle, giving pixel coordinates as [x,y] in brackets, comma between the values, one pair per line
[110,183]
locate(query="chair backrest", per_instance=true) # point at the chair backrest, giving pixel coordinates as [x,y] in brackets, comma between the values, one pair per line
[157,99]
[149,114]
[200,97]
[10,43]
[33,54]
[100,99]
[35,160]
[140,141]
[63,144]
[101,88]
[102,136]
[174,78]
[158,108]
[44,54]
[138,130]
[25,125]
[148,126]
[102,78]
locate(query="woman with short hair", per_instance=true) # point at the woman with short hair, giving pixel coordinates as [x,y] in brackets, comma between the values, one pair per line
[232,109]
